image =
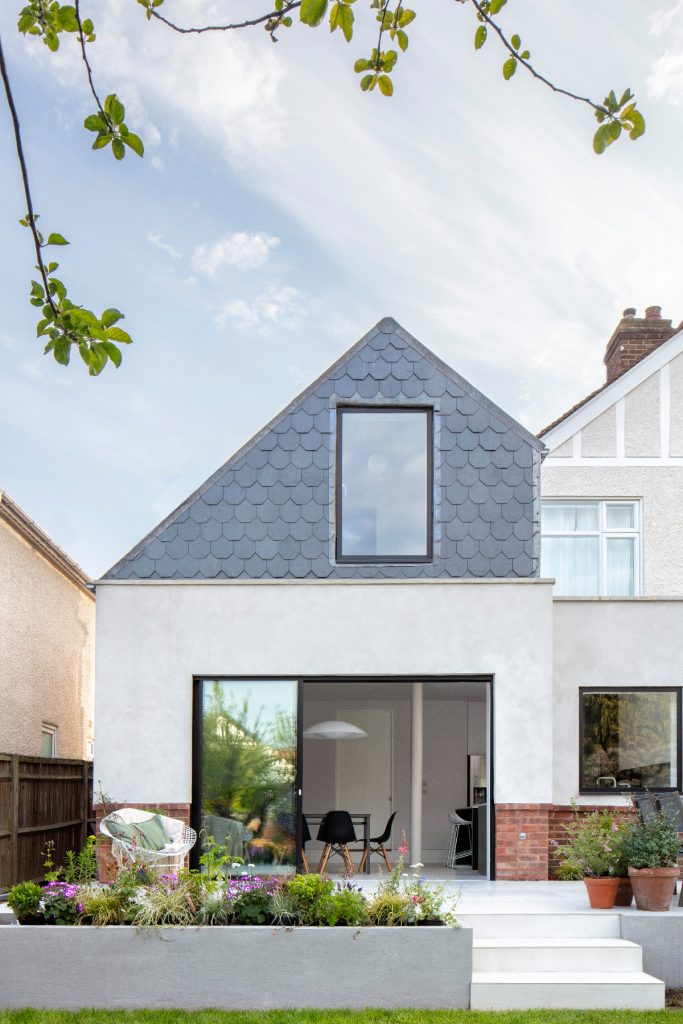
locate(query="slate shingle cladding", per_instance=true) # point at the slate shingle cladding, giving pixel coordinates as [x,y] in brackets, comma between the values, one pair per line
[269,511]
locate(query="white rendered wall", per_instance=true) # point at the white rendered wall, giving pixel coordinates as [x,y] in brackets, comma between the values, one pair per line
[607,642]
[152,638]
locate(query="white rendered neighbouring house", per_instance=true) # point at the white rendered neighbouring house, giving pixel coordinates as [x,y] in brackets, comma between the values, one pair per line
[351,614]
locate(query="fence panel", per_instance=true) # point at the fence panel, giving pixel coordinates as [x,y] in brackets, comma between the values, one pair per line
[42,799]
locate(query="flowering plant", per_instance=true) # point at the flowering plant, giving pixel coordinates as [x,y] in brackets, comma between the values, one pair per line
[61,903]
[596,843]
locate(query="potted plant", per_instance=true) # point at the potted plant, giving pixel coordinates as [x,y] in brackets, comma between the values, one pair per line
[24,900]
[652,851]
[595,845]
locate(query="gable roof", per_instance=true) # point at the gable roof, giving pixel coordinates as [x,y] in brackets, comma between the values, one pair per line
[30,532]
[598,401]
[284,472]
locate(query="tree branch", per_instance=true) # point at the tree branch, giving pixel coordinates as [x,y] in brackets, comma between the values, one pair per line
[291,6]
[31,217]
[530,68]
[81,38]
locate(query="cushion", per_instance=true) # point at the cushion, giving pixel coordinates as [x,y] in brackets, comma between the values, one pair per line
[151,834]
[120,829]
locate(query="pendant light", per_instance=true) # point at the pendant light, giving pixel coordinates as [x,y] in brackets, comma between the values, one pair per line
[334,730]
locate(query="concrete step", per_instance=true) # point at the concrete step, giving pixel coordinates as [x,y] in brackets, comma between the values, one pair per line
[556,954]
[595,924]
[590,990]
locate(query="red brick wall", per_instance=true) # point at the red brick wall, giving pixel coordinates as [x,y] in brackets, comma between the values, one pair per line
[522,859]
[634,339]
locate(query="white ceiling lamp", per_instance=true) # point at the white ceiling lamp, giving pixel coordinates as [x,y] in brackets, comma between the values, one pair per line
[334,730]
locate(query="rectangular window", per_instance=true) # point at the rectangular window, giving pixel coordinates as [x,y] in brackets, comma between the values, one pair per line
[591,548]
[384,484]
[629,739]
[48,740]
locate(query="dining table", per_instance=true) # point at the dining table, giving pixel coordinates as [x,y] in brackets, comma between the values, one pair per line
[357,818]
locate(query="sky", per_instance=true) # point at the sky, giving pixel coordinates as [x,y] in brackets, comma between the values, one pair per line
[279,213]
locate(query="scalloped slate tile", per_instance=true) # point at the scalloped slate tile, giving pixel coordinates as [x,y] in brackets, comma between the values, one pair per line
[270,512]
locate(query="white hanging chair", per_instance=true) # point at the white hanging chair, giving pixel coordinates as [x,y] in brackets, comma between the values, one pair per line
[151,840]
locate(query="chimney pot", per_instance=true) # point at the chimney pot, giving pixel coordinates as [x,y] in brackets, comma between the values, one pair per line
[629,313]
[653,313]
[634,339]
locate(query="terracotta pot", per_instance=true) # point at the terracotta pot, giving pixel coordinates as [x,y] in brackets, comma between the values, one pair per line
[653,887]
[601,892]
[624,897]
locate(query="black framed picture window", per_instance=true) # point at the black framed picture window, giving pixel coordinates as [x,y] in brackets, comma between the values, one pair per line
[629,738]
[384,484]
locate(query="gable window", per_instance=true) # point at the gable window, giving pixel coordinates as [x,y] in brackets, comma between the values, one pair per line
[629,738]
[591,548]
[48,740]
[384,484]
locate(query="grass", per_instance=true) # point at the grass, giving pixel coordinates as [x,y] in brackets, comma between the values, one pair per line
[335,1017]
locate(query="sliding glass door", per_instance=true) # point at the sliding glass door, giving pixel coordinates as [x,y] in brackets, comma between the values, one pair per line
[245,777]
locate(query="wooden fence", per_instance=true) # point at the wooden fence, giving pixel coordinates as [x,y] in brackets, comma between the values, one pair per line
[41,799]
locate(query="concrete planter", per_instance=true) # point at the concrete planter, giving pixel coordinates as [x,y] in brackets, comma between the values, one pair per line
[236,968]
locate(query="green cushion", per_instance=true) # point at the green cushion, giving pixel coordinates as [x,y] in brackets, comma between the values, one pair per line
[151,833]
[120,829]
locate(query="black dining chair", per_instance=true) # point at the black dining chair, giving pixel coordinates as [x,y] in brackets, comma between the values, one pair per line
[672,806]
[646,805]
[305,838]
[336,832]
[377,845]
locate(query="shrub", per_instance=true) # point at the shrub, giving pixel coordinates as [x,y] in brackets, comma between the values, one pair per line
[24,899]
[389,909]
[168,901]
[310,895]
[105,906]
[61,903]
[653,843]
[346,905]
[596,843]
[250,899]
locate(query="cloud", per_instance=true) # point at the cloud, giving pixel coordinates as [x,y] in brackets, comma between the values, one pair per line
[155,238]
[279,306]
[240,250]
[666,76]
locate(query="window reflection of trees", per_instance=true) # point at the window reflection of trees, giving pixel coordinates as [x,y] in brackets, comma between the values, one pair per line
[248,775]
[629,739]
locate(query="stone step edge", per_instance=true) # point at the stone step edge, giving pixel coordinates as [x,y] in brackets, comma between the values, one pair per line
[564,978]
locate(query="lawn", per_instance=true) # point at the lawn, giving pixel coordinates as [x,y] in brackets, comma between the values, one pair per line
[335,1017]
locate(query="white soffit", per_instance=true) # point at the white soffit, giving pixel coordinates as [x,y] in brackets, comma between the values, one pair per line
[616,391]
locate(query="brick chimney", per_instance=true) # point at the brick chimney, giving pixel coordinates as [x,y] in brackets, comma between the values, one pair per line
[634,338]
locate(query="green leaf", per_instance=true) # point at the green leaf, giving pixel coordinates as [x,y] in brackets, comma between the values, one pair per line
[26,21]
[135,143]
[361,65]
[114,108]
[95,123]
[334,17]
[113,352]
[480,37]
[312,12]
[516,42]
[509,68]
[406,18]
[496,6]
[615,130]
[346,21]
[116,334]
[402,40]
[118,149]
[110,317]
[390,58]
[62,351]
[88,27]
[386,86]
[638,122]
[625,97]
[54,238]
[601,139]
[52,41]
[41,327]
[101,141]
[366,82]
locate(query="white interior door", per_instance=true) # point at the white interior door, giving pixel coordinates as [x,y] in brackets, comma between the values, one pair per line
[364,767]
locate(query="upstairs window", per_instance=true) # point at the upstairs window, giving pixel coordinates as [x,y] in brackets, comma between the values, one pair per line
[48,740]
[384,484]
[591,548]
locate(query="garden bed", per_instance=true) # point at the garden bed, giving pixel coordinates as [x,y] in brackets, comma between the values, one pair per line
[235,967]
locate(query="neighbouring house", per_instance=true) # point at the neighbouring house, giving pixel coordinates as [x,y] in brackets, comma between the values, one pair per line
[354,613]
[47,634]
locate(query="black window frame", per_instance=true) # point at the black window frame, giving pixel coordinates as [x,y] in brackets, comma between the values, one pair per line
[604,790]
[385,559]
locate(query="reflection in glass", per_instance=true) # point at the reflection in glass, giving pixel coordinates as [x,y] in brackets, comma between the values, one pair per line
[620,517]
[384,482]
[248,771]
[630,739]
